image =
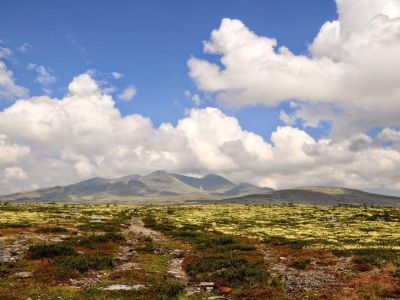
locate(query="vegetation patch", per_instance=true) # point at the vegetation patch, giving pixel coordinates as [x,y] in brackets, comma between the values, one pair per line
[93,241]
[301,264]
[49,250]
[168,288]
[85,262]
[281,240]
[53,229]
[373,257]
[147,245]
[14,225]
[6,268]
[229,269]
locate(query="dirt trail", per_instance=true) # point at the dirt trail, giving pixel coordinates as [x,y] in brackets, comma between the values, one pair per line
[175,266]
[132,233]
[137,228]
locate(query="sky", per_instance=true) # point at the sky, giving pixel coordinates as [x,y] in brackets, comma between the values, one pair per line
[276,93]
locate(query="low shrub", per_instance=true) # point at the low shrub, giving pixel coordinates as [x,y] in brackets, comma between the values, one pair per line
[168,288]
[373,256]
[85,262]
[94,226]
[147,246]
[202,239]
[230,270]
[224,240]
[6,268]
[301,264]
[53,229]
[93,240]
[281,240]
[225,243]
[49,250]
[15,225]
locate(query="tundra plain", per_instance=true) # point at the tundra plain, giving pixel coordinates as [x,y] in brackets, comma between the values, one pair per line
[215,251]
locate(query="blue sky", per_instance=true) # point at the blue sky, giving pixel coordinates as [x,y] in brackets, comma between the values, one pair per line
[150,43]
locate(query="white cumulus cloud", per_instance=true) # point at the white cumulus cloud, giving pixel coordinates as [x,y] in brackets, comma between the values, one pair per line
[352,66]
[8,88]
[128,93]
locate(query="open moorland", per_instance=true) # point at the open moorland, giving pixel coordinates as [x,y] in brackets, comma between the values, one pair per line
[67,251]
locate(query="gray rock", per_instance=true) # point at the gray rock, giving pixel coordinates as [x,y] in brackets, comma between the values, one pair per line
[123,287]
[23,275]
[206,284]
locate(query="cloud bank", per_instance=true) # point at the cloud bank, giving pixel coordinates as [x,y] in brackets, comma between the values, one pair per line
[59,141]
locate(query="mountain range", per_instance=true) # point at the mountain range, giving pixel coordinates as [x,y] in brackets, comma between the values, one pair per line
[161,187]
[158,186]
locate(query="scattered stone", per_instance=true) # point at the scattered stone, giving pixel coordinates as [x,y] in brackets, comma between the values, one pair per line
[127,266]
[208,286]
[85,282]
[23,274]
[10,253]
[123,287]
[190,290]
[176,269]
[215,297]
[56,240]
[177,253]
[19,242]
[138,286]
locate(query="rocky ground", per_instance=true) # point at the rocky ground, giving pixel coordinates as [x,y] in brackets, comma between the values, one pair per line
[316,274]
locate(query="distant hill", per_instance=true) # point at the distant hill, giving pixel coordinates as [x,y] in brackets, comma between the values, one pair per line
[317,195]
[159,186]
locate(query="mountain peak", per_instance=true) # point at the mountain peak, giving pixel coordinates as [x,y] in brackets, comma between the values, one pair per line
[210,183]
[212,176]
[159,173]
